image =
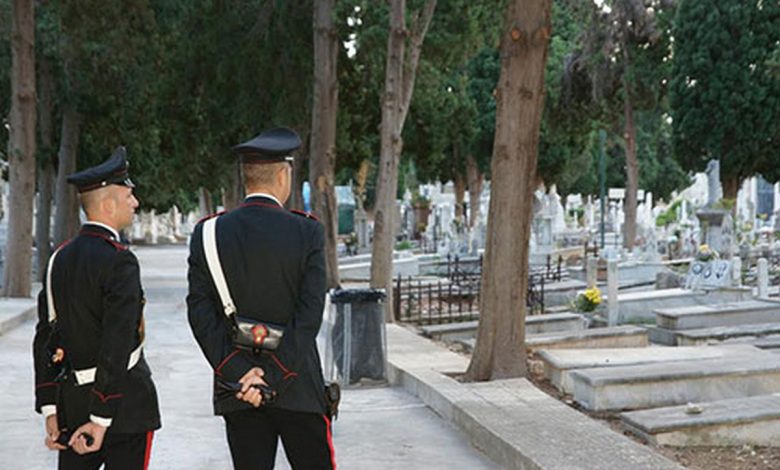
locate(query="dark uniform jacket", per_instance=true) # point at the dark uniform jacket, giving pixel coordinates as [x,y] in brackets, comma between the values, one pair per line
[275,270]
[99,304]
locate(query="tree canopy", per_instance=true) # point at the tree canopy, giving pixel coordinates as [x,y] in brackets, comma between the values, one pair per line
[725,92]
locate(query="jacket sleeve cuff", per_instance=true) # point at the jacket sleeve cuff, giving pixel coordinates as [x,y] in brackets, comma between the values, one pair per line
[48,410]
[45,395]
[234,366]
[100,421]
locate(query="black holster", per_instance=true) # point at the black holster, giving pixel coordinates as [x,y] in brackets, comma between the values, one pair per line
[332,399]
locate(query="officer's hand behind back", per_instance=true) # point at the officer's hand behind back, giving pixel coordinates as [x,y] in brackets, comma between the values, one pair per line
[249,393]
[52,433]
[79,442]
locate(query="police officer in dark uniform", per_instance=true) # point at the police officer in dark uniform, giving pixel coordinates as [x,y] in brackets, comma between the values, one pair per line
[274,269]
[93,384]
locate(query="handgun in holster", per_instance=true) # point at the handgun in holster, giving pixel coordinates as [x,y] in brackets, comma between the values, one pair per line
[332,399]
[61,366]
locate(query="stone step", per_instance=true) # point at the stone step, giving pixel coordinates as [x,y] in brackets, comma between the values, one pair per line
[559,363]
[675,383]
[612,337]
[753,421]
[726,333]
[771,343]
[708,316]
[545,323]
[624,336]
[639,306]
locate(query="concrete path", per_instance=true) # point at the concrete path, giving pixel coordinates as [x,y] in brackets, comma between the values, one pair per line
[378,428]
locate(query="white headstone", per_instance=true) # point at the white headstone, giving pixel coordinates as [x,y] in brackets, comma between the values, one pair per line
[612,293]
[763,278]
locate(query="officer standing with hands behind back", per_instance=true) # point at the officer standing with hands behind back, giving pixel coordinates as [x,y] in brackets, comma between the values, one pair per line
[92,382]
[256,294]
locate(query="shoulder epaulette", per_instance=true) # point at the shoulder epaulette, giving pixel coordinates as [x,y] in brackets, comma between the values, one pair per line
[308,215]
[114,243]
[62,245]
[216,214]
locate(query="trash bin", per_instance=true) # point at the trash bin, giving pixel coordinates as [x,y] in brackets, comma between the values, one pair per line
[357,337]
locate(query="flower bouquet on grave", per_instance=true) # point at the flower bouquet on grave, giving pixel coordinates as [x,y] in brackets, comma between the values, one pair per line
[705,253]
[588,300]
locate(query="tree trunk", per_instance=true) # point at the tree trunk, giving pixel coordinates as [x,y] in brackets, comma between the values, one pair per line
[234,193]
[474,180]
[66,216]
[500,349]
[731,185]
[296,193]
[205,204]
[459,182]
[17,275]
[400,72]
[322,157]
[45,167]
[632,163]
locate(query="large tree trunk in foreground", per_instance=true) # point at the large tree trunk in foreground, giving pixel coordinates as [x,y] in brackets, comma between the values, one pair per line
[400,74]
[17,273]
[45,167]
[500,348]
[66,216]
[322,158]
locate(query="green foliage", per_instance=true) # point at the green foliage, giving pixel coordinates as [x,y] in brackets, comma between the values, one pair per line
[669,215]
[725,92]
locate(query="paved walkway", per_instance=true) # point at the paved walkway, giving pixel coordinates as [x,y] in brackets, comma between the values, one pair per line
[378,428]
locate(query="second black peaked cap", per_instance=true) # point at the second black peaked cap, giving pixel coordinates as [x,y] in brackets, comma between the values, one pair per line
[272,145]
[111,171]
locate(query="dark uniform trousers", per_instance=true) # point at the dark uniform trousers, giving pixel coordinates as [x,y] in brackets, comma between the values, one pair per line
[275,268]
[118,452]
[253,437]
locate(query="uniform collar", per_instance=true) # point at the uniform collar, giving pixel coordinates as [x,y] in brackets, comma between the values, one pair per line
[264,195]
[111,230]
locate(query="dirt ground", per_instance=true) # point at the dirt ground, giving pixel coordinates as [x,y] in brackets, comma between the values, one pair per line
[694,458]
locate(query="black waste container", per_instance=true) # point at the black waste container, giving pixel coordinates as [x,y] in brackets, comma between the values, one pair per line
[358,335]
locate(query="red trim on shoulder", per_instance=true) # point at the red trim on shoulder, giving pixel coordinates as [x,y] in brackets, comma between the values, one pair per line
[116,244]
[308,215]
[218,370]
[104,398]
[216,214]
[62,245]
[47,384]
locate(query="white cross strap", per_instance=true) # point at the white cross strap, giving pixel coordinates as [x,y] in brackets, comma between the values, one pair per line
[49,294]
[215,266]
[87,376]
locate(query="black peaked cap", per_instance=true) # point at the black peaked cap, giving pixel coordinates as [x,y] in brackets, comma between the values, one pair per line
[111,171]
[272,145]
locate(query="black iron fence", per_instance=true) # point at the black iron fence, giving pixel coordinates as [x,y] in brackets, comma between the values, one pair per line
[436,300]
[432,301]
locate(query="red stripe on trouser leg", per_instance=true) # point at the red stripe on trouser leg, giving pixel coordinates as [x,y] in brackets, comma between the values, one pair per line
[148,454]
[330,442]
